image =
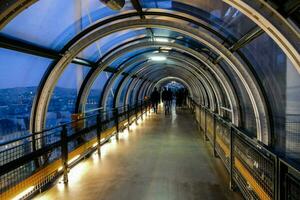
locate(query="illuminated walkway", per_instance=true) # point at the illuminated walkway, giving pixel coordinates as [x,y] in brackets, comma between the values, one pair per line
[163,158]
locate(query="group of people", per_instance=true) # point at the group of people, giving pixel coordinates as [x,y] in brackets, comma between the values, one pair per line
[167,98]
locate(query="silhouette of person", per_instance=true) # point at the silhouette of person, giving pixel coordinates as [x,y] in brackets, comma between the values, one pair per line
[155,98]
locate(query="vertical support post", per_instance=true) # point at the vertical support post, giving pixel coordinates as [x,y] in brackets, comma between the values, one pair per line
[282,180]
[215,134]
[128,116]
[136,113]
[99,130]
[276,179]
[36,161]
[64,152]
[141,110]
[117,122]
[205,124]
[232,184]
[145,105]
[200,117]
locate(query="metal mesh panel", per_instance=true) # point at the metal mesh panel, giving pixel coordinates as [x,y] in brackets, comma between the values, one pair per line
[292,188]
[253,169]
[223,142]
[209,126]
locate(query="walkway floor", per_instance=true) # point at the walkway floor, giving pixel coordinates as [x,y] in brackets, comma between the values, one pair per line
[164,158]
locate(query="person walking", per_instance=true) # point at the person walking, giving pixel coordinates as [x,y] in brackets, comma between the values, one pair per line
[155,98]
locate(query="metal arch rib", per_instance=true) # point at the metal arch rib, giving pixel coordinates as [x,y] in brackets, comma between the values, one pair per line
[183,73]
[219,74]
[254,94]
[173,58]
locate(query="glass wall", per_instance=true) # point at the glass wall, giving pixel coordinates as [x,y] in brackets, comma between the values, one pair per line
[217,14]
[56,22]
[123,92]
[19,78]
[96,91]
[281,84]
[63,99]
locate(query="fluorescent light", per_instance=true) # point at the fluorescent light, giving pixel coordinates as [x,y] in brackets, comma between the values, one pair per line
[158,58]
[166,48]
[161,40]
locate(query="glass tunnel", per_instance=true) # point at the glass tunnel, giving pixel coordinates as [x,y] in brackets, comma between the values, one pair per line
[63,61]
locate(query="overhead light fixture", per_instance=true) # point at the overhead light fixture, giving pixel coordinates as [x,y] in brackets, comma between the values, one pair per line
[114,4]
[158,58]
[166,48]
[161,40]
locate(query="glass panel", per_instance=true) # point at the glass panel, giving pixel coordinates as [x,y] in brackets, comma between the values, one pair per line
[128,57]
[248,121]
[19,78]
[219,15]
[123,93]
[63,100]
[156,4]
[102,46]
[132,97]
[56,22]
[111,96]
[96,90]
[281,84]
[135,67]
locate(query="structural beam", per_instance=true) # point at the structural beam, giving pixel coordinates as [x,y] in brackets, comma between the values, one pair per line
[246,39]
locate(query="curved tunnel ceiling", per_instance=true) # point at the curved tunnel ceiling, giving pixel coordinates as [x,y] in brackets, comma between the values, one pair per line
[204,57]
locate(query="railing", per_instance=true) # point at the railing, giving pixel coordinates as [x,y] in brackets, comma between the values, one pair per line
[254,169]
[30,163]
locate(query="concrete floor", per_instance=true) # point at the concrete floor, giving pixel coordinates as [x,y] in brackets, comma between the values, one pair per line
[163,158]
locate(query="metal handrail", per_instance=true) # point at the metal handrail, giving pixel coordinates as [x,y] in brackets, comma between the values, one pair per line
[280,169]
[14,158]
[58,126]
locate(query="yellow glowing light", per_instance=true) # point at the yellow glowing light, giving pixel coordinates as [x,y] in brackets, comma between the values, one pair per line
[24,193]
[113,138]
[95,144]
[102,140]
[125,134]
[60,168]
[132,126]
[95,157]
[73,159]
[126,123]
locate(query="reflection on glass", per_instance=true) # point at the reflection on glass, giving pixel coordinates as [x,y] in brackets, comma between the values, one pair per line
[96,90]
[281,84]
[53,28]
[63,99]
